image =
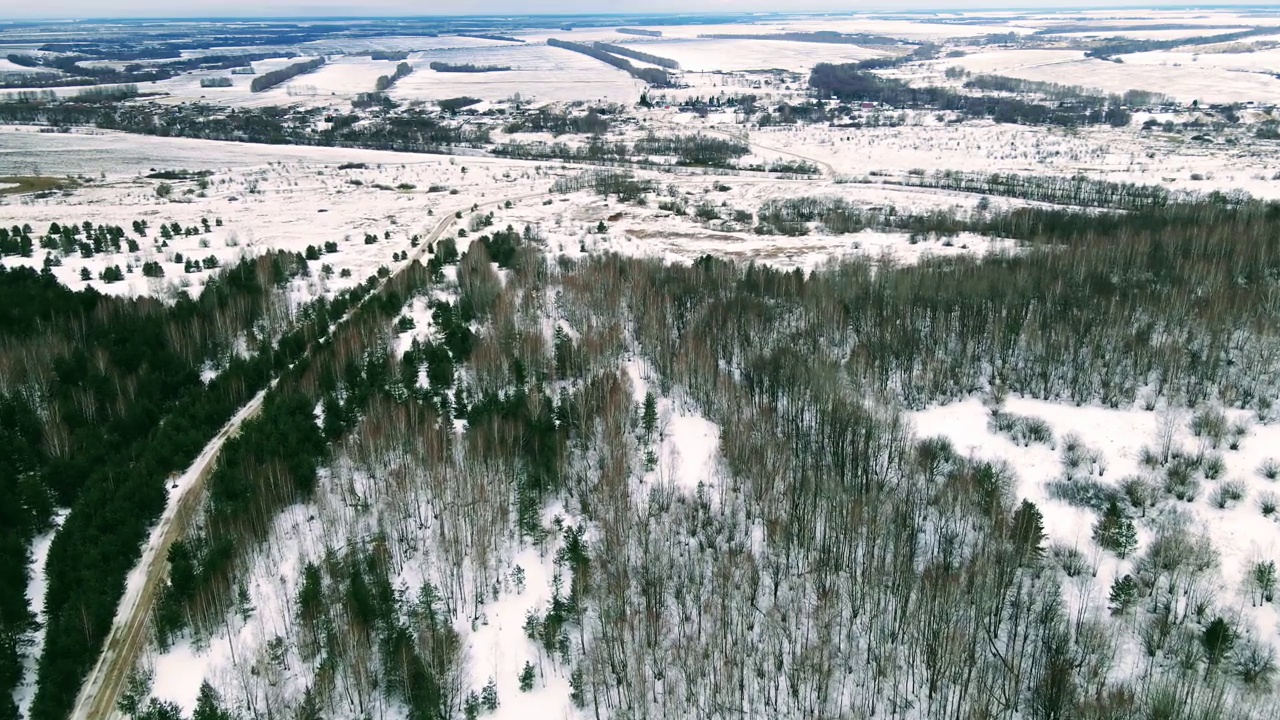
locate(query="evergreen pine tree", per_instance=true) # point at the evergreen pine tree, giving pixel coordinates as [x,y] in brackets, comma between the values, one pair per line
[526,677]
[489,696]
[309,709]
[209,705]
[1217,639]
[1028,532]
[1115,531]
[649,419]
[1124,591]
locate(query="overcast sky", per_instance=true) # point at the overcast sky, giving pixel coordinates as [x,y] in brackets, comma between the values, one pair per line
[10,9]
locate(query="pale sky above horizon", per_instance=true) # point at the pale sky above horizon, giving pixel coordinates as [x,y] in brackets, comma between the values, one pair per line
[64,9]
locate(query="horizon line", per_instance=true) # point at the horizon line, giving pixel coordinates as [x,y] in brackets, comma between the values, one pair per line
[1255,5]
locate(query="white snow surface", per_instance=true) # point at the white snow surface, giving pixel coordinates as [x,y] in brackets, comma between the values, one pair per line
[1186,81]
[1240,533]
[37,583]
[686,445]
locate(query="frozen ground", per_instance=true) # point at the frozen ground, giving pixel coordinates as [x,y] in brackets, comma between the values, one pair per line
[270,207]
[1261,61]
[1177,34]
[24,151]
[539,73]
[1185,82]
[1122,155]
[25,692]
[1241,534]
[741,55]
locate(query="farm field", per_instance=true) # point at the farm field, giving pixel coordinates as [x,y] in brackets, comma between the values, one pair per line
[1186,81]
[539,74]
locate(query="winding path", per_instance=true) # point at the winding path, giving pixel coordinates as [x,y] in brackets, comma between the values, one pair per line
[101,690]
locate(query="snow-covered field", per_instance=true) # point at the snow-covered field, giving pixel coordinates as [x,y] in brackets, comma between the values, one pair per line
[1121,155]
[8,67]
[538,73]
[24,151]
[1261,61]
[741,55]
[571,226]
[1186,82]
[273,207]
[344,77]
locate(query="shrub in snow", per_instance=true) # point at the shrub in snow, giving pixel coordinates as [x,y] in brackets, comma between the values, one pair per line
[1254,662]
[1180,483]
[1150,458]
[1078,459]
[1267,504]
[1021,429]
[1071,560]
[1269,469]
[1227,494]
[1262,577]
[1140,493]
[1237,433]
[1213,467]
[1210,424]
[1083,493]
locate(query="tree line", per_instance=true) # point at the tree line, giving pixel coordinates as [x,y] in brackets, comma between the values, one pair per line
[595,121]
[403,70]
[407,129]
[634,54]
[653,76]
[848,84]
[268,80]
[1079,190]
[819,36]
[1109,48]
[694,150]
[445,67]
[1057,91]
[71,71]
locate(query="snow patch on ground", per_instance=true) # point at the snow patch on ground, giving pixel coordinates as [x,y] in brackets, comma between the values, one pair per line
[419,311]
[37,582]
[690,451]
[1240,533]
[1185,81]
[498,648]
[686,446]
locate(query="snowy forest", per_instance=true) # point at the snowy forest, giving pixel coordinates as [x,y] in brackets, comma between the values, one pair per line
[487,484]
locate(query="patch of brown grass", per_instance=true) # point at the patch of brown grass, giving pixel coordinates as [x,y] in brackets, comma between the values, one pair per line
[24,184]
